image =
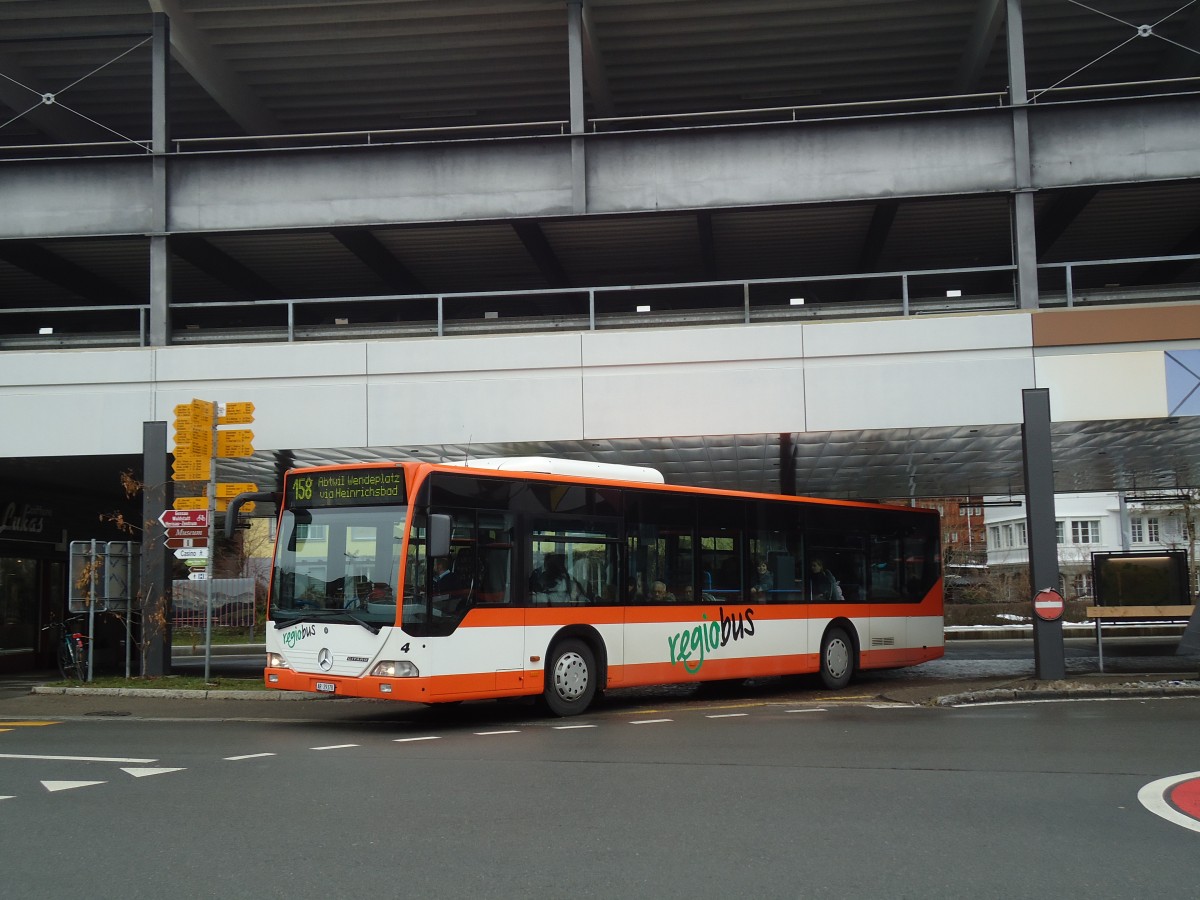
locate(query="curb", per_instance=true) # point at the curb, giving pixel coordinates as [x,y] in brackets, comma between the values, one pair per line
[1145,690]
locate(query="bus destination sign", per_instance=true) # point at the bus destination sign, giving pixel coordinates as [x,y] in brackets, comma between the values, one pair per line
[346,487]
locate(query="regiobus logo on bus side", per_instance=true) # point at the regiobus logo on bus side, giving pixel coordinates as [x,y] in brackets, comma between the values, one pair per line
[690,645]
[296,634]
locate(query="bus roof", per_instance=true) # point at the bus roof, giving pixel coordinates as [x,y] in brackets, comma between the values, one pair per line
[580,468]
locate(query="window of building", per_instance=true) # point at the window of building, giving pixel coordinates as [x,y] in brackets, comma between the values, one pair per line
[1020,534]
[1152,529]
[1082,584]
[994,536]
[1059,536]
[1085,531]
[1137,533]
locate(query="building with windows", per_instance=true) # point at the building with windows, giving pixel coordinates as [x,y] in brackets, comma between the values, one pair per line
[1089,523]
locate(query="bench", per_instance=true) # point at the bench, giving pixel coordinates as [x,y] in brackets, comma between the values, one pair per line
[1118,613]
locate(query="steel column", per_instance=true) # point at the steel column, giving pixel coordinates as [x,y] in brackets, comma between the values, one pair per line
[1048,652]
[1021,205]
[160,250]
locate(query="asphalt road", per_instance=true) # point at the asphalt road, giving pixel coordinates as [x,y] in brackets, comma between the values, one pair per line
[686,797]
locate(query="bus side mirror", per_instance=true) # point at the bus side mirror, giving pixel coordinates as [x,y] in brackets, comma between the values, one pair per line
[439,535]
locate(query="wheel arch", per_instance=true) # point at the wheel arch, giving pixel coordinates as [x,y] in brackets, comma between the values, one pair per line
[847,625]
[595,641]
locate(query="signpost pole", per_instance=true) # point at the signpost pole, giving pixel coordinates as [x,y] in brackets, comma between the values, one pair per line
[212,547]
[92,611]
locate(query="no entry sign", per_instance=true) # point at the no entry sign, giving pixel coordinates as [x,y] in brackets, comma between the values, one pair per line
[1048,605]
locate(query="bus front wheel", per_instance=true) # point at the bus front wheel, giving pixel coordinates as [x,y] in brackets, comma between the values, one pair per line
[837,659]
[570,678]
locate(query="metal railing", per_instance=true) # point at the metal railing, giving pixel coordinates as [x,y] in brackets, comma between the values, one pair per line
[733,302]
[754,115]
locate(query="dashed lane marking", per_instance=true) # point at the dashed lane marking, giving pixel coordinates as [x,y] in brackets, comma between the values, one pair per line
[247,756]
[143,772]
[571,727]
[726,715]
[489,733]
[113,759]
[7,725]
[335,747]
[807,709]
[650,721]
[428,737]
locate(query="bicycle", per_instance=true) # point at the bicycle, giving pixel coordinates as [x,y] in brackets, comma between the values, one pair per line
[72,653]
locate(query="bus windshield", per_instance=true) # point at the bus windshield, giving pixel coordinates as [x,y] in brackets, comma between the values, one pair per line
[338,565]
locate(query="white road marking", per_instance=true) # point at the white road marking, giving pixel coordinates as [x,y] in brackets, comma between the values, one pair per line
[726,715]
[569,727]
[247,756]
[68,785]
[488,733]
[142,773]
[650,721]
[810,709]
[335,747]
[430,737]
[114,759]
[1151,797]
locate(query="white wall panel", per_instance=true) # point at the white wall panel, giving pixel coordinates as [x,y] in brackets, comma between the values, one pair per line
[437,410]
[917,391]
[694,398]
[314,359]
[1096,386]
[79,420]
[72,367]
[474,354]
[924,334]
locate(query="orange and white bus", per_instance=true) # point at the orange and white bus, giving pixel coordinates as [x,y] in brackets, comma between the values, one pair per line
[439,583]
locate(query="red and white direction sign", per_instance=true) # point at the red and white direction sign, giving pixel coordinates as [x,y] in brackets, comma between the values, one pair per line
[177,543]
[1048,605]
[175,531]
[187,518]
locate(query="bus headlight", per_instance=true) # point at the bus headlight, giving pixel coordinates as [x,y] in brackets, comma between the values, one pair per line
[395,669]
[276,661]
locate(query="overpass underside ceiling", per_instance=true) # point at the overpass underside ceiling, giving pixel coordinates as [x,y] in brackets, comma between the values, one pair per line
[1153,454]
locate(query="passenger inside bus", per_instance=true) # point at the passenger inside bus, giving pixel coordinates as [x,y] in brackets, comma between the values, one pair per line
[823,586]
[551,583]
[764,582]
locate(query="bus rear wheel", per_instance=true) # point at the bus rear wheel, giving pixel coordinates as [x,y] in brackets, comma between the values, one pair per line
[837,659]
[570,678]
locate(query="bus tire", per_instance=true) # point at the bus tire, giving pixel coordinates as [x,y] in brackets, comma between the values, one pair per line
[571,677]
[837,659]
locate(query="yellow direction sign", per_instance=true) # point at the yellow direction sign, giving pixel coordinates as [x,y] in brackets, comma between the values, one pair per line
[190,503]
[191,468]
[198,414]
[223,506]
[235,413]
[230,489]
[235,443]
[195,441]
